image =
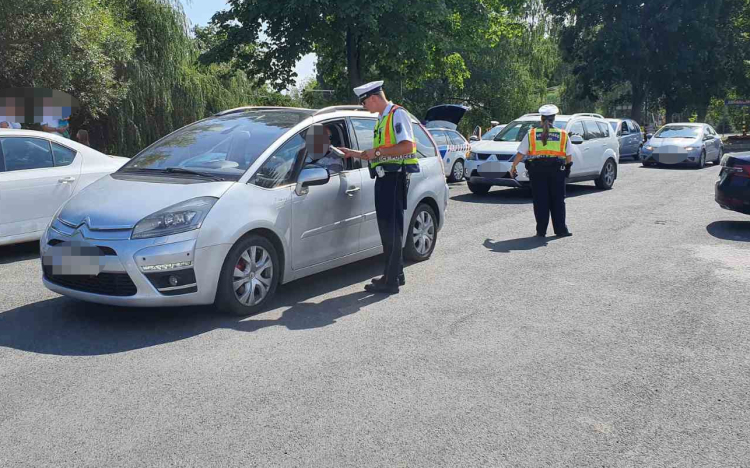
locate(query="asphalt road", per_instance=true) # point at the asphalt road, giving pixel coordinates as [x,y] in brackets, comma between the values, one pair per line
[624,345]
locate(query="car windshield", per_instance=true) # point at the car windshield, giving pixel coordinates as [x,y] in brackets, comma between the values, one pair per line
[490,134]
[678,131]
[224,146]
[516,130]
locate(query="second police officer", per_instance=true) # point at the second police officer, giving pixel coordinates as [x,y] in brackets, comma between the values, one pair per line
[548,153]
[391,161]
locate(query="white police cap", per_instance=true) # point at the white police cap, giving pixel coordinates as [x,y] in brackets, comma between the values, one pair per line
[368,89]
[549,109]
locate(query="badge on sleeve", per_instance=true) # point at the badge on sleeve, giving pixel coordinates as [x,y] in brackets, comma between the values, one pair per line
[399,128]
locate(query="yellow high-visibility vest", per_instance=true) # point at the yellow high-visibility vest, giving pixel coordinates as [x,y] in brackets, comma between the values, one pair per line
[385,137]
[555,147]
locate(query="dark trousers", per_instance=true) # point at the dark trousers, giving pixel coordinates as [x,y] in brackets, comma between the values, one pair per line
[548,190]
[389,208]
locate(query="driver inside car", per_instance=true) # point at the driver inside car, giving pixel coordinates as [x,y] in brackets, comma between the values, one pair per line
[320,138]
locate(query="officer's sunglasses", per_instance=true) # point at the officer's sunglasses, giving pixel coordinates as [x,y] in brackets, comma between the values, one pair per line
[363,99]
[548,118]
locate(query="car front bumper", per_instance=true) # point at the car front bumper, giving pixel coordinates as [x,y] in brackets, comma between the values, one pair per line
[495,173]
[670,158]
[134,273]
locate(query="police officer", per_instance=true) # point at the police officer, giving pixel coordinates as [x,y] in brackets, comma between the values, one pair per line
[391,161]
[548,161]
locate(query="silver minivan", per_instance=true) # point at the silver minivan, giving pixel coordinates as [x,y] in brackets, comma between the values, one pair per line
[225,209]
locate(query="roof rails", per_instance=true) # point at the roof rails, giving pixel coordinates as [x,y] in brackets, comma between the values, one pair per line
[588,114]
[246,108]
[351,107]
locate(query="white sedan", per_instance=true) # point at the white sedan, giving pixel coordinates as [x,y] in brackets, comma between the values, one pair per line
[38,173]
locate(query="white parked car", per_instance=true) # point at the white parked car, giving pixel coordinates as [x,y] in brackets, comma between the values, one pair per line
[39,172]
[597,153]
[442,121]
[228,208]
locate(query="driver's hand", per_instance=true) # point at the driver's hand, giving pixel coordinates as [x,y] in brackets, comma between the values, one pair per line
[350,153]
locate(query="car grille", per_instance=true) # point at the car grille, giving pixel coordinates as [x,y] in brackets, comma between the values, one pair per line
[499,157]
[107,284]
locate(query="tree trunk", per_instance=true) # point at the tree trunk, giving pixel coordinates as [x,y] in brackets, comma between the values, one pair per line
[639,95]
[353,64]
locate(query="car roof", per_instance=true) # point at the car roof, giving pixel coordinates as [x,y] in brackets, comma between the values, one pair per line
[443,129]
[6,132]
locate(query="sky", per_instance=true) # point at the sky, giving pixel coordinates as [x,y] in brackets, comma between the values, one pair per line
[199,12]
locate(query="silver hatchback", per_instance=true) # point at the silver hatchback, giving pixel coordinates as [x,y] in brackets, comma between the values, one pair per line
[225,209]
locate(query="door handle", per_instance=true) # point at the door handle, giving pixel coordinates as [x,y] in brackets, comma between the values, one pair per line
[351,191]
[67,180]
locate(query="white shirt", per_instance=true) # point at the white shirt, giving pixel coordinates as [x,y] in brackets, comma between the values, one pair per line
[401,124]
[523,148]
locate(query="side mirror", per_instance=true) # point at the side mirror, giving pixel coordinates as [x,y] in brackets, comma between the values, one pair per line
[473,138]
[576,139]
[311,175]
[649,135]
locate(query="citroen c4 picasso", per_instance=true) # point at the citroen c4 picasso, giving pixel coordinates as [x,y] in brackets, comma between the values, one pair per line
[224,210]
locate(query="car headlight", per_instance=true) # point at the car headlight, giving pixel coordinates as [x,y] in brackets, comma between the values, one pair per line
[649,148]
[472,156]
[175,219]
[690,148]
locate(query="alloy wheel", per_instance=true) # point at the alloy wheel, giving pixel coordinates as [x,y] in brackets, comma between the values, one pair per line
[423,233]
[253,276]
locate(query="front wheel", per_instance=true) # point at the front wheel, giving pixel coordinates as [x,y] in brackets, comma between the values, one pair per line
[479,189]
[701,161]
[422,234]
[248,277]
[606,178]
[457,172]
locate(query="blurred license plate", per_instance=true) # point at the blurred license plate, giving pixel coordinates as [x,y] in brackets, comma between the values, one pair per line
[73,258]
[493,169]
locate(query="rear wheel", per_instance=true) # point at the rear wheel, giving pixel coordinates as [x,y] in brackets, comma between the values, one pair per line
[457,172]
[249,276]
[637,156]
[422,234]
[607,177]
[479,189]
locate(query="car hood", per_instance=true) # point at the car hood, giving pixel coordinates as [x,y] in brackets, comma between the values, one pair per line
[659,142]
[116,203]
[492,146]
[444,116]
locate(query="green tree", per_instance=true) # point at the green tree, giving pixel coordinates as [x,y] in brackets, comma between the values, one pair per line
[680,51]
[77,46]
[408,41]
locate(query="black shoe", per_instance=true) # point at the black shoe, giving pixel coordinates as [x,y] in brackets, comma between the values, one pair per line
[540,235]
[565,234]
[381,288]
[381,280]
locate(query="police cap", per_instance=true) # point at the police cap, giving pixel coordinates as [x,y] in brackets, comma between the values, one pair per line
[367,90]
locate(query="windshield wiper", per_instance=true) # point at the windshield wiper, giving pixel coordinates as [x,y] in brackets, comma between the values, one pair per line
[181,170]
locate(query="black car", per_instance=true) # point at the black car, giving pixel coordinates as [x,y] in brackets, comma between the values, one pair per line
[733,187]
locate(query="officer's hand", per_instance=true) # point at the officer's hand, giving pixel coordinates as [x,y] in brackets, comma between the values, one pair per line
[349,153]
[367,154]
[513,172]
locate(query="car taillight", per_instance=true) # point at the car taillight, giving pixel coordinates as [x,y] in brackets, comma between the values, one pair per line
[739,171]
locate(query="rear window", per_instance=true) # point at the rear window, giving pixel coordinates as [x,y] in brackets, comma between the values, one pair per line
[425,148]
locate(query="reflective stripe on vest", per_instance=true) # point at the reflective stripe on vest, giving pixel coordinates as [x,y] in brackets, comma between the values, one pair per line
[555,147]
[385,137]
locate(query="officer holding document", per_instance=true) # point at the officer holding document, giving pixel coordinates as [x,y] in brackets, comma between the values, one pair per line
[391,160]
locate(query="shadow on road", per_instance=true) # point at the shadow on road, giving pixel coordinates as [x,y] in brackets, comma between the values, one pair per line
[519,196]
[523,243]
[730,230]
[19,252]
[67,327]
